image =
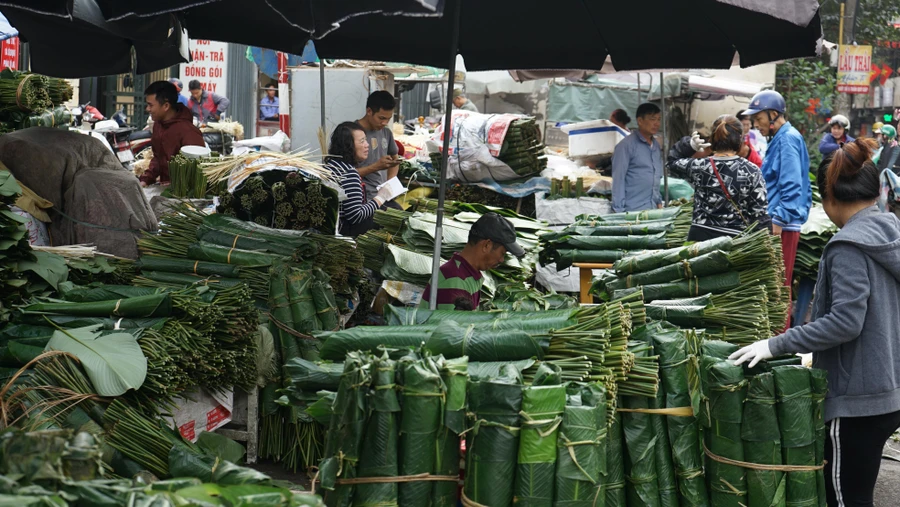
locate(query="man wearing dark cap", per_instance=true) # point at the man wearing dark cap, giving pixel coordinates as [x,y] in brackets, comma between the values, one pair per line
[460,279]
[179,86]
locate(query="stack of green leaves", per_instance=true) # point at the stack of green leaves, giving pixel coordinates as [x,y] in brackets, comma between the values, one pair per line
[814,235]
[612,490]
[762,442]
[187,179]
[522,149]
[283,200]
[796,411]
[681,384]
[581,447]
[420,424]
[642,485]
[726,390]
[543,403]
[24,91]
[454,375]
[493,439]
[378,457]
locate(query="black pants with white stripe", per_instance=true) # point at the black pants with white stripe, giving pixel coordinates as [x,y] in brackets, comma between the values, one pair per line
[853,450]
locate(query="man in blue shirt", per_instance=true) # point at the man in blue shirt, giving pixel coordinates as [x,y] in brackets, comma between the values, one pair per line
[268,106]
[637,165]
[178,86]
[786,170]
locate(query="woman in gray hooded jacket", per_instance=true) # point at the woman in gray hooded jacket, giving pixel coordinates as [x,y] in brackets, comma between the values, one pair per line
[855,333]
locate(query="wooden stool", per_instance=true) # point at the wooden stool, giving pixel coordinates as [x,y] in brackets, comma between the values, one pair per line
[584,279]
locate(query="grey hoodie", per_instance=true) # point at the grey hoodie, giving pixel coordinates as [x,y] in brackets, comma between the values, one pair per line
[855,333]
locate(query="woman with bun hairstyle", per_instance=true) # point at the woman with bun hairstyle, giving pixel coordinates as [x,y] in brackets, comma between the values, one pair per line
[856,321]
[729,190]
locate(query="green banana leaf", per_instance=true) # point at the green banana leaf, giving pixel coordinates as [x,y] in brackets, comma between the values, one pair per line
[713,284]
[337,344]
[793,387]
[642,485]
[420,423]
[612,489]
[493,440]
[727,390]
[309,376]
[406,315]
[484,371]
[343,440]
[542,410]
[114,362]
[222,447]
[819,384]
[299,241]
[480,344]
[645,242]
[704,265]
[566,257]
[654,260]
[454,375]
[156,305]
[762,443]
[107,324]
[679,379]
[185,279]
[379,454]
[172,265]
[222,254]
[581,447]
[230,240]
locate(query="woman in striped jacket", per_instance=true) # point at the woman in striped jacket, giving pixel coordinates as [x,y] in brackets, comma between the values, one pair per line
[349,147]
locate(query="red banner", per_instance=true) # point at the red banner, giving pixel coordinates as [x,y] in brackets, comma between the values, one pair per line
[9,53]
[885,73]
[874,73]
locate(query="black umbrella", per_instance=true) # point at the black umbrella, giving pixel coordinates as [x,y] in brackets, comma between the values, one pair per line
[580,34]
[284,25]
[72,39]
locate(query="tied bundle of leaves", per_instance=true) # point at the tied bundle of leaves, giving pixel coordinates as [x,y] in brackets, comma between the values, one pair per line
[283,200]
[726,390]
[493,439]
[60,91]
[24,91]
[379,454]
[762,442]
[543,404]
[454,375]
[581,447]
[522,149]
[188,180]
[420,424]
[796,419]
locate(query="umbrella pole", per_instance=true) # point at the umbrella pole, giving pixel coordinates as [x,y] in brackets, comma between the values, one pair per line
[442,179]
[322,94]
[663,152]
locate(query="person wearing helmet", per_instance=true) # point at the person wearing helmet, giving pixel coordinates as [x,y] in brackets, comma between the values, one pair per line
[876,132]
[839,125]
[179,86]
[888,157]
[786,170]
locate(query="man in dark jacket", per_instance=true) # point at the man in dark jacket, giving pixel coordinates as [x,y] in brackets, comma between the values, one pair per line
[206,106]
[173,127]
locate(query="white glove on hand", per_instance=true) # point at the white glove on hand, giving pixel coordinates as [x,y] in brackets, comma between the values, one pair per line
[384,193]
[698,143]
[754,353]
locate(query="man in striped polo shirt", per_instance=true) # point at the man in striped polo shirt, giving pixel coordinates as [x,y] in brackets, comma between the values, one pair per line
[460,279]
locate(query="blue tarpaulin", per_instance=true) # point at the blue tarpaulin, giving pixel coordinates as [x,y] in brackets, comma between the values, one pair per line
[6,30]
[267,59]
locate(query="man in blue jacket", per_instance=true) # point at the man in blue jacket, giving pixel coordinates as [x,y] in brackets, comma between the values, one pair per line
[786,170]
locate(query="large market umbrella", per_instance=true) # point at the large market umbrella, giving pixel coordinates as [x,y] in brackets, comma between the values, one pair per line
[283,25]
[580,34]
[72,39]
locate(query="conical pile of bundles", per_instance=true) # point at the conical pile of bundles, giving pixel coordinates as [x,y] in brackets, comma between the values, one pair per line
[732,287]
[608,238]
[33,100]
[522,149]
[403,248]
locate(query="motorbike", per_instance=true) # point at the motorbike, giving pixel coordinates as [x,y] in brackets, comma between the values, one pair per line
[86,114]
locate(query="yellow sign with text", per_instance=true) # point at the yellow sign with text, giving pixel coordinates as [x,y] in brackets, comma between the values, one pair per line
[854,65]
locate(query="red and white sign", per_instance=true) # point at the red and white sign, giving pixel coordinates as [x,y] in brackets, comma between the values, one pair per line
[209,65]
[9,53]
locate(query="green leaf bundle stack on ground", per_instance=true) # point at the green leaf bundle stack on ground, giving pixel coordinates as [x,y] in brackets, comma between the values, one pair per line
[543,404]
[581,470]
[796,411]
